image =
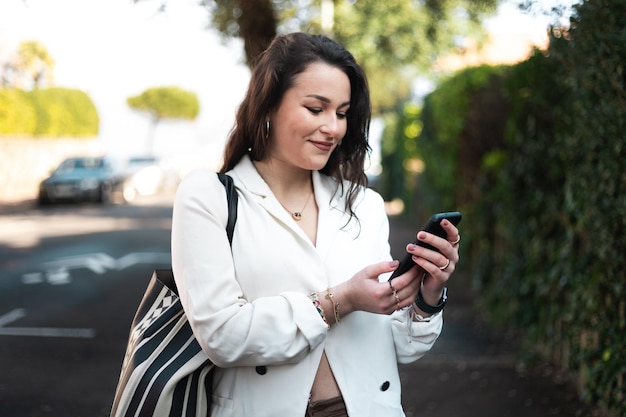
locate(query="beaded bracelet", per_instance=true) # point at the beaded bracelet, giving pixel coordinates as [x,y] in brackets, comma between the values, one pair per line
[329,296]
[318,306]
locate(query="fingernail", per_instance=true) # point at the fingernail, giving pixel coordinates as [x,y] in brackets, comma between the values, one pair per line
[394,264]
[411,246]
[421,235]
[445,222]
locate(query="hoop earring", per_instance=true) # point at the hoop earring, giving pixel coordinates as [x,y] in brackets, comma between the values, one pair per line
[267,128]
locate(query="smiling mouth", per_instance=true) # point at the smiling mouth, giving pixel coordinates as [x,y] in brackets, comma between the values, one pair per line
[324,146]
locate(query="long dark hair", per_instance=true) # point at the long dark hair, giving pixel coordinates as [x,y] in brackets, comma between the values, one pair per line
[273,74]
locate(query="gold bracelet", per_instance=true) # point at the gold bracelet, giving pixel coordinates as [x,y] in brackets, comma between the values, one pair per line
[318,306]
[329,296]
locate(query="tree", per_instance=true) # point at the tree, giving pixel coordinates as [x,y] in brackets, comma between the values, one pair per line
[398,40]
[394,40]
[253,21]
[30,68]
[165,103]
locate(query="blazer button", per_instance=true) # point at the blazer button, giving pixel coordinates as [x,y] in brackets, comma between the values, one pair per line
[261,370]
[385,386]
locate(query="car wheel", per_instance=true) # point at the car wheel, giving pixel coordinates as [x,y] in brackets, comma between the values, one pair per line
[43,200]
[105,193]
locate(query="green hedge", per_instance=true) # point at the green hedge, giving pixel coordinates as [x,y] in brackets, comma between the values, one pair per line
[53,112]
[534,155]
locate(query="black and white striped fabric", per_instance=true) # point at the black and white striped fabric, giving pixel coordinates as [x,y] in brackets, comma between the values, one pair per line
[165,372]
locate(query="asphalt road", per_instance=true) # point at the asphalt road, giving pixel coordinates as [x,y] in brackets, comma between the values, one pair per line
[72,276]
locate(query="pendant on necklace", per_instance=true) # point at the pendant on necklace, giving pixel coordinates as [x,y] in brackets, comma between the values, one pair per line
[297,216]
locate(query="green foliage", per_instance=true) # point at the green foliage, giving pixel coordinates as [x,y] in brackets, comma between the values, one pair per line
[34,62]
[53,112]
[393,178]
[17,114]
[65,112]
[166,103]
[448,115]
[534,154]
[393,39]
[593,141]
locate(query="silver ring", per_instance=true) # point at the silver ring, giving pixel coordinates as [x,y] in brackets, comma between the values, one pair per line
[456,242]
[443,268]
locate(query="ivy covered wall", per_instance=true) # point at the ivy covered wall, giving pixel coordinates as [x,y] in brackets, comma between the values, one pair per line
[533,154]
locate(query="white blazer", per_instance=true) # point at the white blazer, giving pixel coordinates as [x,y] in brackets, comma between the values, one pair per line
[250,311]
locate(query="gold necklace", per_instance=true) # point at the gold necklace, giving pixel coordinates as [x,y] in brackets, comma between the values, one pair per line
[297,215]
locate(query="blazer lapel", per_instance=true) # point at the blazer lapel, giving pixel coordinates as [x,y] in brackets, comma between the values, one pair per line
[331,217]
[250,179]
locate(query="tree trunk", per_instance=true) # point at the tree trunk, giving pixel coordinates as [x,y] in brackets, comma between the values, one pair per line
[257,25]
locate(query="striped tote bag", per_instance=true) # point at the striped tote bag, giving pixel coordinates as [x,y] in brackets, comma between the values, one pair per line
[165,372]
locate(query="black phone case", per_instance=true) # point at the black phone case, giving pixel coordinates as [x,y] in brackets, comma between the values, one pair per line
[433,226]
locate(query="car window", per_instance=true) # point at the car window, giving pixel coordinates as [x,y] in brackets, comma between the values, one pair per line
[89,163]
[80,164]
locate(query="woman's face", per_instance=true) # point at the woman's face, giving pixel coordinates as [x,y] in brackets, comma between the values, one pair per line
[311,118]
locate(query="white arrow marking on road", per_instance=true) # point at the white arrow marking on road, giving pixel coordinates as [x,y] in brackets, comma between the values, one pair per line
[58,276]
[145,258]
[19,313]
[97,262]
[57,271]
[33,278]
[12,316]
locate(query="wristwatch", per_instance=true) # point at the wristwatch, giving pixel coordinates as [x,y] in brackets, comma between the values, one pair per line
[427,308]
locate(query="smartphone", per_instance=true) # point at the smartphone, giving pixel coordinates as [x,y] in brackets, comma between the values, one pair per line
[433,226]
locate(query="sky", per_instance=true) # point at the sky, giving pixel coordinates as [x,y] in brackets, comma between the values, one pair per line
[114,49]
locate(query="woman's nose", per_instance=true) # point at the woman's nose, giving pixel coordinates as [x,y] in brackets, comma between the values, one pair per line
[331,127]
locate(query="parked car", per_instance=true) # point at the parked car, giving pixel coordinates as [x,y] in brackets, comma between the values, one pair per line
[83,179]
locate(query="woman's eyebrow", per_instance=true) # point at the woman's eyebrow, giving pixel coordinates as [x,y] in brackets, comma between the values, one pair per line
[326,100]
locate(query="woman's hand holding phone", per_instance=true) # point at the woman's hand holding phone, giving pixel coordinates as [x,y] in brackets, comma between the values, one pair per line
[364,292]
[435,252]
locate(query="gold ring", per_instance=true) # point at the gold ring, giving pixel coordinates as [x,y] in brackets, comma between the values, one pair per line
[443,268]
[395,294]
[456,242]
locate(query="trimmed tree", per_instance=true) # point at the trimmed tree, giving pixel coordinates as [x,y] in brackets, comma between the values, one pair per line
[165,103]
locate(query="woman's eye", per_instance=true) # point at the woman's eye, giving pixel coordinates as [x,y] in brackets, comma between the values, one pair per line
[341,115]
[314,110]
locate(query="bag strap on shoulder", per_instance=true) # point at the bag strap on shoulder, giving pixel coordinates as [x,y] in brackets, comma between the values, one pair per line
[231,196]
[166,276]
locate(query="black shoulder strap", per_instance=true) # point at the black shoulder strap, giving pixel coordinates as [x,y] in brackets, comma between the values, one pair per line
[231,196]
[166,276]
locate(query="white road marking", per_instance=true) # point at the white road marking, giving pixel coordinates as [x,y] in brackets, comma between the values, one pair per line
[33,278]
[12,316]
[19,313]
[57,272]
[47,332]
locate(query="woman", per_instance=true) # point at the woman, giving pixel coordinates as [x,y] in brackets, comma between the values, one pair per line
[300,318]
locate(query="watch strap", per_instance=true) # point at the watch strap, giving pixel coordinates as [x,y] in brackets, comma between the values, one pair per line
[427,308]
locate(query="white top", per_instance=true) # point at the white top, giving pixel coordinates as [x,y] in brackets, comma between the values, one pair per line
[250,311]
